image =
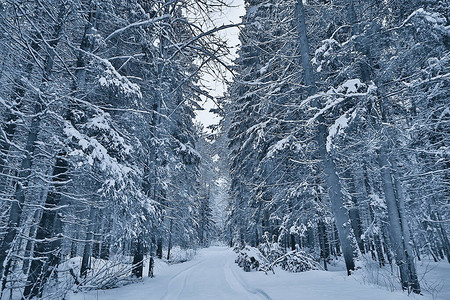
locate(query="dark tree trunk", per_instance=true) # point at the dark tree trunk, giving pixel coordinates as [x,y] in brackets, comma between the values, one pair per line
[169,243]
[98,236]
[386,245]
[379,250]
[48,235]
[323,241]
[152,260]
[17,206]
[443,234]
[376,235]
[230,243]
[74,246]
[11,121]
[353,213]
[29,245]
[292,241]
[106,240]
[159,248]
[138,258]
[87,251]
[337,245]
[25,168]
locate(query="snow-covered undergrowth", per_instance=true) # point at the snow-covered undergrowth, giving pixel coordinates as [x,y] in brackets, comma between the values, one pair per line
[250,258]
[179,255]
[434,277]
[268,256]
[102,274]
[116,272]
[297,261]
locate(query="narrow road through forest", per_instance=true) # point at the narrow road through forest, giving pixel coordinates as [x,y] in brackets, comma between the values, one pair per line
[213,276]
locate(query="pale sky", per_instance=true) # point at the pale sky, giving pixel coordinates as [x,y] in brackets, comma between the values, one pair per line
[230,15]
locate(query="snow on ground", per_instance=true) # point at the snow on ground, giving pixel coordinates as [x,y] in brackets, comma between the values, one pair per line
[213,275]
[435,278]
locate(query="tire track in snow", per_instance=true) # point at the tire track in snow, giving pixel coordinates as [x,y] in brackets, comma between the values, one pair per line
[238,284]
[231,280]
[173,282]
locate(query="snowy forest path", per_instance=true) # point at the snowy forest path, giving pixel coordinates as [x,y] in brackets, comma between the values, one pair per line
[213,275]
[235,280]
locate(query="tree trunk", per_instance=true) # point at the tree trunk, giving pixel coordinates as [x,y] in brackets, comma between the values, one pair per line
[340,213]
[324,251]
[409,255]
[74,246]
[332,180]
[396,230]
[48,235]
[22,180]
[377,240]
[292,241]
[138,258]
[87,251]
[386,243]
[25,168]
[11,121]
[151,263]
[30,244]
[353,213]
[444,237]
[159,248]
[379,250]
[169,243]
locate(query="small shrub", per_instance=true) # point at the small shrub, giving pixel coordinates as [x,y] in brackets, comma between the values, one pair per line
[251,258]
[297,261]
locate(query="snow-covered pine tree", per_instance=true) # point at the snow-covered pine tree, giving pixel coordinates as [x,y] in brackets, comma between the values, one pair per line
[364,91]
[80,128]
